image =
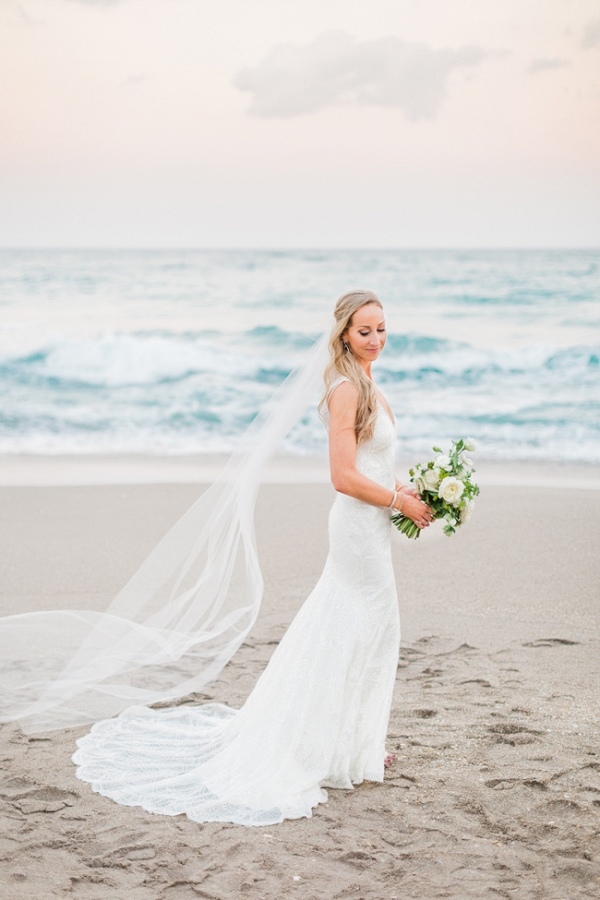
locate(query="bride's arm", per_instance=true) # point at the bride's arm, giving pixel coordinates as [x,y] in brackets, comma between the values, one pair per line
[345,478]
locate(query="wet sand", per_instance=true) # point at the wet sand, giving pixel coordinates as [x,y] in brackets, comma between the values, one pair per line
[495,720]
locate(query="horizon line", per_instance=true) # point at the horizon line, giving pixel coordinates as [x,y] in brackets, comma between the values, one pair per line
[295,249]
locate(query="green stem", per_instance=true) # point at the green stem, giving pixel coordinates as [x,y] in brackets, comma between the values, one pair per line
[406,526]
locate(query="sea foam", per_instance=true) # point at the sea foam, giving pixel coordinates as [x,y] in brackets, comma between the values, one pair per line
[176,352]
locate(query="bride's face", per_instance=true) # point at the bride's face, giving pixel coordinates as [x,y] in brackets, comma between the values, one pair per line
[366,333]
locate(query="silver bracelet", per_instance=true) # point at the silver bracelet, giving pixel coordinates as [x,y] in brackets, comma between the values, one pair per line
[395,497]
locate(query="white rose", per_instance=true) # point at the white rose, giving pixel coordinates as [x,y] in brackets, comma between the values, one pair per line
[443,462]
[469,444]
[420,485]
[466,510]
[431,479]
[451,490]
[466,460]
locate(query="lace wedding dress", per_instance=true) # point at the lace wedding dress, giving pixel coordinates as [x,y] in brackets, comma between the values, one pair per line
[318,714]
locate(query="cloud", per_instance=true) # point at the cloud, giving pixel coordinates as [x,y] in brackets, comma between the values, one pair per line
[591,34]
[545,65]
[336,70]
[133,80]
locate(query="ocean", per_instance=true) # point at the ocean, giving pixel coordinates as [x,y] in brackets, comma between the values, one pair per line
[173,352]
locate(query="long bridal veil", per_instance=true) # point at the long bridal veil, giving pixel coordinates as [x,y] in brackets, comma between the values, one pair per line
[179,619]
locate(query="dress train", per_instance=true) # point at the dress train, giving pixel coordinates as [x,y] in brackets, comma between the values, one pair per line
[318,715]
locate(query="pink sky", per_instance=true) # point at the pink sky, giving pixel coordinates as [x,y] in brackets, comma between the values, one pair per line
[299,123]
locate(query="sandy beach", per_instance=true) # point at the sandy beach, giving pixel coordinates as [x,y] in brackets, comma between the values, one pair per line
[495,720]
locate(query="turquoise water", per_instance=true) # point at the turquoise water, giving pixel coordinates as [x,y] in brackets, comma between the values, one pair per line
[174,352]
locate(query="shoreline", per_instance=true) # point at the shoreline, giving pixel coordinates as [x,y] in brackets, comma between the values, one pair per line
[21,470]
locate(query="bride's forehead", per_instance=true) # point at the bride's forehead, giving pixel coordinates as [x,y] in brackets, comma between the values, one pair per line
[368,315]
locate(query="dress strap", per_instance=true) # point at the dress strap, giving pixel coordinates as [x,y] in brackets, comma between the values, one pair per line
[336,381]
[324,411]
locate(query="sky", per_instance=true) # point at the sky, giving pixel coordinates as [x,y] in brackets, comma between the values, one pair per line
[299,123]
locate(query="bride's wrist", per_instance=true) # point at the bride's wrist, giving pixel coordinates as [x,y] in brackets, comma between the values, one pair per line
[397,501]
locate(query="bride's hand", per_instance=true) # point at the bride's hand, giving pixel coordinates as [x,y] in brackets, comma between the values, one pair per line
[408,489]
[415,509]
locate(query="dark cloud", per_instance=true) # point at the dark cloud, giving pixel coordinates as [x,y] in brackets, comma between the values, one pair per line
[544,65]
[591,35]
[337,70]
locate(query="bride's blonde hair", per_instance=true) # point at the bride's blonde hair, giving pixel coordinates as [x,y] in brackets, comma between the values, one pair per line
[343,362]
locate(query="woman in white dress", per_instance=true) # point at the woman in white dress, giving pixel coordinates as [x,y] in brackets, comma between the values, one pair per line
[318,714]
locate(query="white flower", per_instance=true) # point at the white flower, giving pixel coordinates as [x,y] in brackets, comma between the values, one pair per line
[443,462]
[451,490]
[466,510]
[431,479]
[420,485]
[466,460]
[469,444]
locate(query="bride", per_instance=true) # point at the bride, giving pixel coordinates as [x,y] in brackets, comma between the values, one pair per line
[318,715]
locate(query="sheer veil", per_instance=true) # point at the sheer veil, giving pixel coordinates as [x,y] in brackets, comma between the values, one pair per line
[179,619]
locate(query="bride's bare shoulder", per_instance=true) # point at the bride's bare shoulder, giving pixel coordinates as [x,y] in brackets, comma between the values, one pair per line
[342,395]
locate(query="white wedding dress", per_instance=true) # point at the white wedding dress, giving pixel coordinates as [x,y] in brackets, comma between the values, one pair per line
[318,714]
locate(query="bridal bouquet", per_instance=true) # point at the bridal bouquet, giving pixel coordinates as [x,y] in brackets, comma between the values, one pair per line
[445,485]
